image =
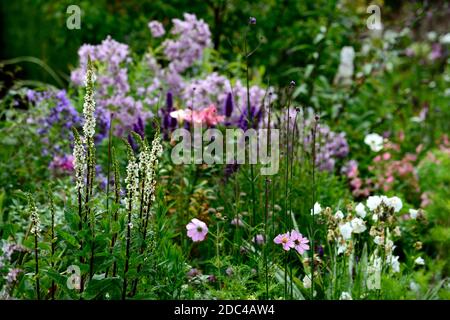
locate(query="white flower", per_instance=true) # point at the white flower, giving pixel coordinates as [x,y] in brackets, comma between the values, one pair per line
[445,39]
[358,225]
[414,286]
[389,246]
[374,141]
[393,261]
[361,210]
[432,36]
[413,213]
[317,209]
[346,68]
[374,273]
[342,246]
[307,281]
[373,202]
[339,215]
[374,217]
[419,261]
[395,203]
[346,230]
[345,296]
[378,240]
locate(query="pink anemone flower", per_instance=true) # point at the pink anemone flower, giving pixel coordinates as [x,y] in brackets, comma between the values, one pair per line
[197,230]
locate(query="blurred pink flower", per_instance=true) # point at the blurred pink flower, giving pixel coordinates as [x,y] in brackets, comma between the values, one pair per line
[197,230]
[206,116]
[62,163]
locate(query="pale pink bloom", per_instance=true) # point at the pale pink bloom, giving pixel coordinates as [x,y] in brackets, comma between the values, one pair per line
[386,156]
[300,242]
[285,240]
[206,116]
[237,222]
[211,117]
[197,230]
[259,239]
[181,115]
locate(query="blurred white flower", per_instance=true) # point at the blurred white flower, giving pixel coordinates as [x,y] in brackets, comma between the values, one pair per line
[339,215]
[393,261]
[374,141]
[373,202]
[419,261]
[445,39]
[345,296]
[413,213]
[358,225]
[414,286]
[317,209]
[378,240]
[307,281]
[395,203]
[361,210]
[345,70]
[346,230]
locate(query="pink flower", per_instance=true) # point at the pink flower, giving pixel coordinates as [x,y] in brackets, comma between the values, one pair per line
[206,116]
[386,156]
[237,221]
[210,116]
[300,242]
[259,239]
[62,164]
[285,240]
[197,230]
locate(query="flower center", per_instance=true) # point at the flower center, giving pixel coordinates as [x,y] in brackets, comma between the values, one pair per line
[284,240]
[199,229]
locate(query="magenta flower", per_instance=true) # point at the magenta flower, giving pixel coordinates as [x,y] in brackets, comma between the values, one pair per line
[197,230]
[285,240]
[300,242]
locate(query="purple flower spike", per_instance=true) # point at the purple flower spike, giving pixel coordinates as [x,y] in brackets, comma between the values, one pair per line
[229,105]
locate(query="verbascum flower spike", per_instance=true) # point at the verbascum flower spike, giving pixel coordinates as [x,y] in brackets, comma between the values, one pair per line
[132,179]
[89,103]
[34,217]
[79,162]
[152,166]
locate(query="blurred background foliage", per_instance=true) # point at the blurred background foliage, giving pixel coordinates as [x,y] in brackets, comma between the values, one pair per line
[289,30]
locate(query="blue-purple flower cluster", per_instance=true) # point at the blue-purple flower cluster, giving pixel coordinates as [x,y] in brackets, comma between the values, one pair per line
[58,115]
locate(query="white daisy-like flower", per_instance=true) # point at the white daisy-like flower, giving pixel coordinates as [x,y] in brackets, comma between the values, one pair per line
[374,141]
[361,210]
